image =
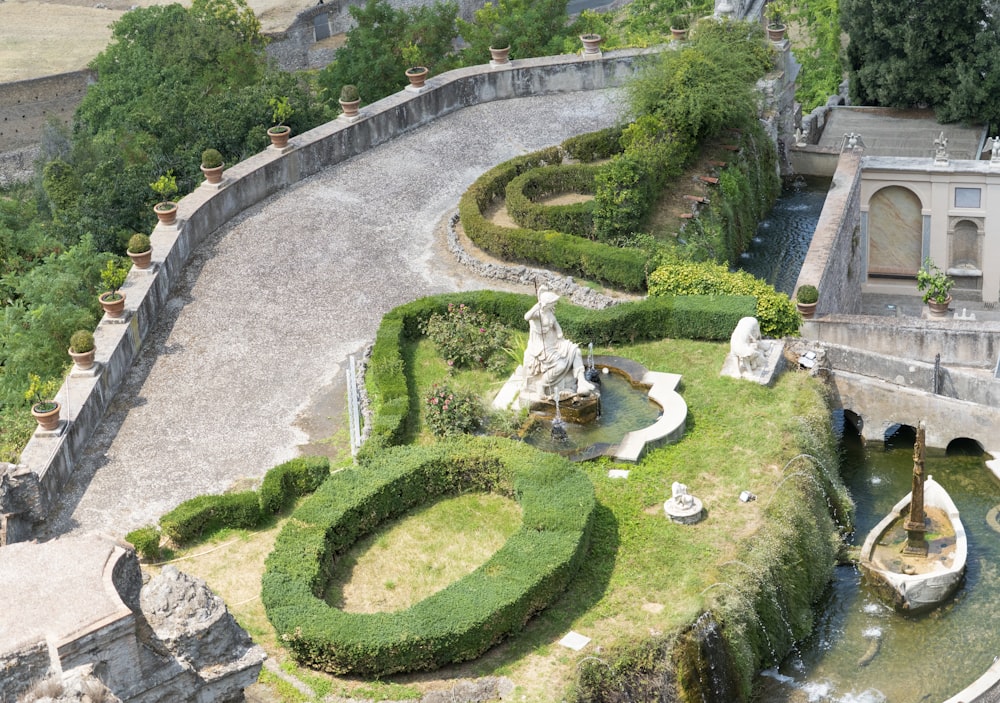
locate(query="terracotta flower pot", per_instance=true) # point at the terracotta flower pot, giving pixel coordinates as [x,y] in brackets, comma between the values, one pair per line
[939,309]
[83,360]
[500,56]
[350,107]
[166,212]
[776,32]
[47,419]
[142,259]
[417,75]
[678,34]
[591,43]
[807,310]
[279,136]
[113,303]
[213,175]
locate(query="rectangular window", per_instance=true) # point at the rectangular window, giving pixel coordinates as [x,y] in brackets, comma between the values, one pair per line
[967,197]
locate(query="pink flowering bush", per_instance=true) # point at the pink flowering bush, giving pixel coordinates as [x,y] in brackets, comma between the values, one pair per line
[451,412]
[468,338]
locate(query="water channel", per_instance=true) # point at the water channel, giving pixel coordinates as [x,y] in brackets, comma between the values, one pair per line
[924,658]
[783,237]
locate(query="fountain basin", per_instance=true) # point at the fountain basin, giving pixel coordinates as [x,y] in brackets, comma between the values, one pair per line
[914,584]
[660,388]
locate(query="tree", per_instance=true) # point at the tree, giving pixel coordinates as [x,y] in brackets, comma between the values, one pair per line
[386,42]
[533,28]
[907,54]
[172,82]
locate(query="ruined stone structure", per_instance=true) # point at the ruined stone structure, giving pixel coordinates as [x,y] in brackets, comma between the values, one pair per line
[76,609]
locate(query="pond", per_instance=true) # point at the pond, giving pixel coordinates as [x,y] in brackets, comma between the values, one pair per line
[928,657]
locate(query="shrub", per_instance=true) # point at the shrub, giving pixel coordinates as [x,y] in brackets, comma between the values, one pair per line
[452,412]
[524,191]
[461,621]
[211,158]
[807,294]
[349,93]
[139,243]
[82,341]
[775,312]
[592,146]
[286,482]
[114,273]
[195,517]
[146,541]
[465,337]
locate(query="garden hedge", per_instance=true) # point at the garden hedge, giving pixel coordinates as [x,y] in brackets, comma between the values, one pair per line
[460,621]
[622,268]
[524,192]
[710,317]
[281,485]
[776,313]
[602,144]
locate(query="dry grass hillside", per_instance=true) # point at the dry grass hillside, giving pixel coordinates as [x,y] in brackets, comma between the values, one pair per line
[45,37]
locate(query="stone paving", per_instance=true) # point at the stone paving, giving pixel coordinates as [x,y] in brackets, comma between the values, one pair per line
[246,364]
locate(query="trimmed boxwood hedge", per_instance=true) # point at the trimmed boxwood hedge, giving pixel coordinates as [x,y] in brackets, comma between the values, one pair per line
[281,485]
[602,144]
[623,268]
[710,317]
[460,621]
[576,218]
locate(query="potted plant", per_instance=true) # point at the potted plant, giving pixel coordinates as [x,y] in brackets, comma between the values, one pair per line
[281,111]
[349,100]
[212,165]
[591,43]
[936,286]
[139,250]
[81,349]
[166,187]
[46,412]
[499,49]
[776,10]
[112,278]
[417,72]
[806,299]
[679,25]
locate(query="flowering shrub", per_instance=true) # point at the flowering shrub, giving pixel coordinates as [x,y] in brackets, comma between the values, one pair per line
[450,412]
[467,337]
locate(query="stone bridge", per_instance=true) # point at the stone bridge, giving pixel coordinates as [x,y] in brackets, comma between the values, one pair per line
[886,372]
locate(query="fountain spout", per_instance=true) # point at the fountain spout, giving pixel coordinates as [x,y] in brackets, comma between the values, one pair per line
[915,526]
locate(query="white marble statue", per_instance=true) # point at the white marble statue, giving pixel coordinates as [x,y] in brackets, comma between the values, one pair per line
[552,364]
[995,149]
[744,343]
[679,492]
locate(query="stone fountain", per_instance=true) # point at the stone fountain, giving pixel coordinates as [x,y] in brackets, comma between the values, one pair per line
[553,371]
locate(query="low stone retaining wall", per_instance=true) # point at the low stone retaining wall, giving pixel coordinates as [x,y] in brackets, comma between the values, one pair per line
[28,489]
[834,263]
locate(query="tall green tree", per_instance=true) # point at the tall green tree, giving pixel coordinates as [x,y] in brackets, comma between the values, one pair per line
[532,27]
[907,54]
[172,82]
[385,42]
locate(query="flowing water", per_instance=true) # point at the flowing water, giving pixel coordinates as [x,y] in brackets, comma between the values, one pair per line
[783,237]
[921,658]
[623,409]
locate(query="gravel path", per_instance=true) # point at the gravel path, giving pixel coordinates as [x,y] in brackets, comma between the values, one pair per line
[247,360]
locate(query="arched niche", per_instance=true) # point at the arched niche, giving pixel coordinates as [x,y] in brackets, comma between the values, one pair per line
[895,233]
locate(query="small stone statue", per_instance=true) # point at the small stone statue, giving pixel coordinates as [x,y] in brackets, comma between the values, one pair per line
[941,148]
[679,492]
[744,343]
[995,149]
[800,137]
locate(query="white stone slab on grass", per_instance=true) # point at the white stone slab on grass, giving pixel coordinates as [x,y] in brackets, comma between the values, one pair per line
[575,641]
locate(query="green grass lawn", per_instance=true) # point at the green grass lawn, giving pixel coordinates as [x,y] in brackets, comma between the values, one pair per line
[644,575]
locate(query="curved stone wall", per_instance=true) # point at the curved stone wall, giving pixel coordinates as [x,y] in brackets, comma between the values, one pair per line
[28,489]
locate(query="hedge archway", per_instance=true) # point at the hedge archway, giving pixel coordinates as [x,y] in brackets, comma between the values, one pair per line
[460,621]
